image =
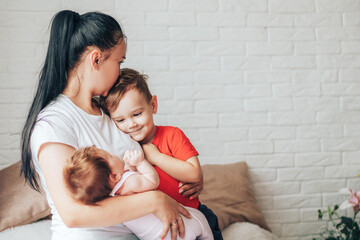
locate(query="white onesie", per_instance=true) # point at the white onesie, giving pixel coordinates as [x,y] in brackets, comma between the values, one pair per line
[150,227]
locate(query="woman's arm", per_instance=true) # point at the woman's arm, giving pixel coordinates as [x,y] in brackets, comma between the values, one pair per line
[184,171]
[111,211]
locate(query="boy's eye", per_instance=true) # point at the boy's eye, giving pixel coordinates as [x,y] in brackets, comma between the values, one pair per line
[120,120]
[137,114]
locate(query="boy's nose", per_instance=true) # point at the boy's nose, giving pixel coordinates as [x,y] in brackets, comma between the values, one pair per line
[132,124]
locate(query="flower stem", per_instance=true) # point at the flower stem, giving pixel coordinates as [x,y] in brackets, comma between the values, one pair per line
[353,225]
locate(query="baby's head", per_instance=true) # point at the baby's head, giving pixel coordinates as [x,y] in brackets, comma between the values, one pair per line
[91,174]
[131,105]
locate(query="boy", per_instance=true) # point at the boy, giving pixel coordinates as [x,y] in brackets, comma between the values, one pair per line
[131,106]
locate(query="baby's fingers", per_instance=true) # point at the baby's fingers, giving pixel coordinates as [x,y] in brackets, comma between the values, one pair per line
[126,156]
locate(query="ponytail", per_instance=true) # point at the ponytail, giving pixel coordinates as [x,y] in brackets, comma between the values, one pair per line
[70,35]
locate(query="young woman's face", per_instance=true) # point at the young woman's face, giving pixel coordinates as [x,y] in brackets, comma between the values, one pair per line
[134,116]
[109,69]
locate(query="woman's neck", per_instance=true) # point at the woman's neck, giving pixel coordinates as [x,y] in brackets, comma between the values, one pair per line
[80,97]
[85,103]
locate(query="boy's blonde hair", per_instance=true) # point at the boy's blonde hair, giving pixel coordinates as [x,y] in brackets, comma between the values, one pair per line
[128,80]
[87,174]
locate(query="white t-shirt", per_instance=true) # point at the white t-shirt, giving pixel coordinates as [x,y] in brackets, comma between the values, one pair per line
[64,122]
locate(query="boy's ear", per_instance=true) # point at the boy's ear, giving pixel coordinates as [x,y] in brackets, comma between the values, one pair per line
[154,104]
[95,56]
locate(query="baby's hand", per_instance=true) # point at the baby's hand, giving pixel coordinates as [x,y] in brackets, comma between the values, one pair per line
[133,158]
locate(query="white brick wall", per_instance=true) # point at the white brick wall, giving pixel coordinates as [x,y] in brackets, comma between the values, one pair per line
[274,83]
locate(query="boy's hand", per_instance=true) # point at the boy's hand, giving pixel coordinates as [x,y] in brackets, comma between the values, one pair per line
[151,152]
[133,158]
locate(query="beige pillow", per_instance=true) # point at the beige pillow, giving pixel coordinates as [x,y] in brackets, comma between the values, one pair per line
[228,194]
[19,203]
[226,191]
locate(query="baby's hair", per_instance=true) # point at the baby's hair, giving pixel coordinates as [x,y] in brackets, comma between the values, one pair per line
[86,175]
[128,80]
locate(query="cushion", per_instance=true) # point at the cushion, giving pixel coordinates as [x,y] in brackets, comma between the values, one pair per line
[227,192]
[19,203]
[247,231]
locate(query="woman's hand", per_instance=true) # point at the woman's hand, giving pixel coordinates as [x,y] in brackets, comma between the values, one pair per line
[168,211]
[191,190]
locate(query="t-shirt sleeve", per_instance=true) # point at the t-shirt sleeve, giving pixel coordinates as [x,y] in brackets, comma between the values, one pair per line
[181,147]
[52,129]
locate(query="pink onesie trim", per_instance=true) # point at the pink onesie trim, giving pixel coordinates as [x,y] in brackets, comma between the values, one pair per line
[122,181]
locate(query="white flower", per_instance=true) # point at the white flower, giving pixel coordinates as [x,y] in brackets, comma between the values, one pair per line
[354,200]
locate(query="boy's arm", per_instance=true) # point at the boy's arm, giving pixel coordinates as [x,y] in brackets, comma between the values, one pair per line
[184,171]
[146,179]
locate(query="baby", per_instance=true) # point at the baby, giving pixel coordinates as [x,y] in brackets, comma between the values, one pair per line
[93,174]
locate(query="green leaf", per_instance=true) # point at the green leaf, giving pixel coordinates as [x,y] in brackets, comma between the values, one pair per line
[320,214]
[347,221]
[356,226]
[330,213]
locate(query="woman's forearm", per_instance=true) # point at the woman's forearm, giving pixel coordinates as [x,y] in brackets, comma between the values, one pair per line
[112,211]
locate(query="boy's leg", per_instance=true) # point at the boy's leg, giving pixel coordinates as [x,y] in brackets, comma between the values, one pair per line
[212,220]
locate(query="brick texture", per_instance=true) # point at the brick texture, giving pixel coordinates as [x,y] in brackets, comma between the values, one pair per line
[274,83]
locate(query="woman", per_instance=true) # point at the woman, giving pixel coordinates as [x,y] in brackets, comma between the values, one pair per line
[83,60]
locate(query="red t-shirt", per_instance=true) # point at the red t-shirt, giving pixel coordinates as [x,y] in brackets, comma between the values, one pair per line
[173,142]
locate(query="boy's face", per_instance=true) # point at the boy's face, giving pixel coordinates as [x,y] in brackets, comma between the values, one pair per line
[134,116]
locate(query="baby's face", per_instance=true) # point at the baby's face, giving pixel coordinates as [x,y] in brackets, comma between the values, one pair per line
[115,163]
[134,116]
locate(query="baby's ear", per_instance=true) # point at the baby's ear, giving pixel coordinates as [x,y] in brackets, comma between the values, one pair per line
[154,104]
[115,177]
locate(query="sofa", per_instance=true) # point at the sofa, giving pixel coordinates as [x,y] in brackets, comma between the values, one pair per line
[25,214]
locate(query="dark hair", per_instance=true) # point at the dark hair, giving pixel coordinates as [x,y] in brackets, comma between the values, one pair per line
[129,79]
[87,174]
[70,35]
